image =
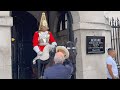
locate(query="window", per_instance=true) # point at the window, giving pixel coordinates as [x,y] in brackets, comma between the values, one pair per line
[63,21]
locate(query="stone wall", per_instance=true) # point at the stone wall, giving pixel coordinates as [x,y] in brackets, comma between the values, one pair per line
[5,45]
[91,23]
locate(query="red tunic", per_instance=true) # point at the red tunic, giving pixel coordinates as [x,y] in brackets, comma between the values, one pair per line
[36,42]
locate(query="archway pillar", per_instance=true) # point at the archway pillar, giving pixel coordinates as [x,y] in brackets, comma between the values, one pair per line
[90,23]
[6,22]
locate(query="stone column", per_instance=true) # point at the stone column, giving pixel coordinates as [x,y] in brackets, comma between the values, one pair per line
[91,23]
[5,45]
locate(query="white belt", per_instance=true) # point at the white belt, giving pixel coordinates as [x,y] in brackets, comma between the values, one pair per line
[43,44]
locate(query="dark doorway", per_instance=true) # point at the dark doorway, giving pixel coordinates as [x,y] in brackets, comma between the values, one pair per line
[22,51]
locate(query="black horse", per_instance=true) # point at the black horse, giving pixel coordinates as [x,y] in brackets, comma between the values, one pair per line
[71,46]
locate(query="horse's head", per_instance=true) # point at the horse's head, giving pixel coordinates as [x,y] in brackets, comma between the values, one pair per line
[71,46]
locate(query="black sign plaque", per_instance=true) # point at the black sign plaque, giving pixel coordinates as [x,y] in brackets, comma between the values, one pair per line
[95,44]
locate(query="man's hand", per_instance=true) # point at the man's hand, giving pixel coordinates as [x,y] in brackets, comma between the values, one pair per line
[115,77]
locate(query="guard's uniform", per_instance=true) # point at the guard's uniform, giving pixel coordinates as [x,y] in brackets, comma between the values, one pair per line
[41,39]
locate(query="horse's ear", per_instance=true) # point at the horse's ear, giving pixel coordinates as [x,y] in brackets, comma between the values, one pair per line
[75,41]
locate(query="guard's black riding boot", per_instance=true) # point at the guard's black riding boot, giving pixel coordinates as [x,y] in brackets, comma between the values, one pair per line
[39,68]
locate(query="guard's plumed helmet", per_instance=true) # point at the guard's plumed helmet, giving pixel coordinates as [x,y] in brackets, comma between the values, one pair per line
[43,21]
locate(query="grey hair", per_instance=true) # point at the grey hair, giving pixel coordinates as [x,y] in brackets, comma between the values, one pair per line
[58,59]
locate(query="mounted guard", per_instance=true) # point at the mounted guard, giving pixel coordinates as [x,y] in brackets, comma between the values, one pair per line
[43,43]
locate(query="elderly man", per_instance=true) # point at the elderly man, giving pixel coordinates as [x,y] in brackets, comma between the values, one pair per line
[58,70]
[112,70]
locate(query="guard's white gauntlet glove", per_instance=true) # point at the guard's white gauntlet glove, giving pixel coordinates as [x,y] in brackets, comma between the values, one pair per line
[53,45]
[39,53]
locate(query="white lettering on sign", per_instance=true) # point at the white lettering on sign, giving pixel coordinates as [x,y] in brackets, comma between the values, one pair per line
[95,44]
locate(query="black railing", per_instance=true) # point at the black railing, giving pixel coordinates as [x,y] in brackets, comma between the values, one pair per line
[115,37]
